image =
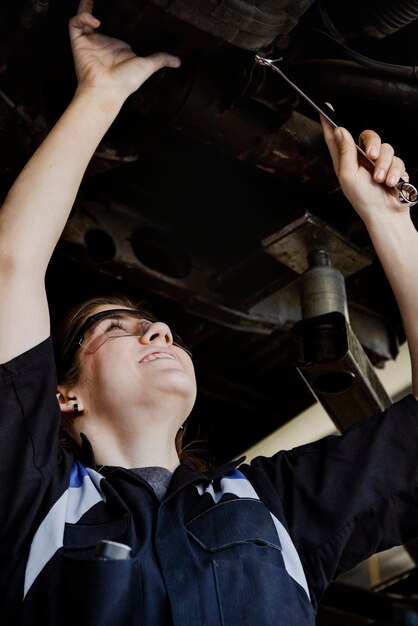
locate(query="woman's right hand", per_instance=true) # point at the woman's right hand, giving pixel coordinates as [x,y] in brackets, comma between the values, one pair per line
[373,196]
[105,63]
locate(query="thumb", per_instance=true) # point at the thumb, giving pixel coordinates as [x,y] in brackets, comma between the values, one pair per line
[134,71]
[158,60]
[152,63]
[347,152]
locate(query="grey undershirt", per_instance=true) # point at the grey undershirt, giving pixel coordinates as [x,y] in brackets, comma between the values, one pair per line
[157,477]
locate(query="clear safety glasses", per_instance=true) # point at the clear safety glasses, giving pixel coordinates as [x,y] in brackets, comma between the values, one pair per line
[116,323]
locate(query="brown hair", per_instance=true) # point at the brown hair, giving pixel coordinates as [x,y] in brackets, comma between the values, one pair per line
[68,368]
[67,361]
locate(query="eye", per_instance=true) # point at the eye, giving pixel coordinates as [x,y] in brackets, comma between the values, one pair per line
[116,324]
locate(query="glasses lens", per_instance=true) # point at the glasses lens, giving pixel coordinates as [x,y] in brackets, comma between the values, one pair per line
[113,324]
[124,325]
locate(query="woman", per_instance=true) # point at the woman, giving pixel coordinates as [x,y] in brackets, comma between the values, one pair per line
[239,544]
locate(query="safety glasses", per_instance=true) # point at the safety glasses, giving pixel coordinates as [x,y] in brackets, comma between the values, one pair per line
[114,324]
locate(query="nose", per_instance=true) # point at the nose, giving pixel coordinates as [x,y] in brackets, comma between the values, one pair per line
[159,333]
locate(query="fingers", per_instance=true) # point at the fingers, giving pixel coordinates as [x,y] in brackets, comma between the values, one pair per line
[395,172]
[342,149]
[84,22]
[85,6]
[388,167]
[371,143]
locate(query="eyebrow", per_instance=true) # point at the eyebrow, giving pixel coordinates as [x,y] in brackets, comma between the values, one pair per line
[115,316]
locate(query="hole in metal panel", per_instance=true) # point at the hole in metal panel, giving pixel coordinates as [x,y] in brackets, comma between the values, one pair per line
[160,252]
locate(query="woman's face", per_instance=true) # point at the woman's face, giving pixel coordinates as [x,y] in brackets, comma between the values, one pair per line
[131,369]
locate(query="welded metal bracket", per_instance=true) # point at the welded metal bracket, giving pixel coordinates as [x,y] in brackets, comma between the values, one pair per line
[292,244]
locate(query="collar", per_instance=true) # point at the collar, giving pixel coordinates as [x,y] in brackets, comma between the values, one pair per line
[220,470]
[86,457]
[186,474]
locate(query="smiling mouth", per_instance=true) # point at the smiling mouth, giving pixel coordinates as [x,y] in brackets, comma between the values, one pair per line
[155,356]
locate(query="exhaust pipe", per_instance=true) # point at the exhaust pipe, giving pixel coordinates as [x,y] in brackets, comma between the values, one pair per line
[327,353]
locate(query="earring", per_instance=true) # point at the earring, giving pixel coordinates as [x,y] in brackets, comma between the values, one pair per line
[76,411]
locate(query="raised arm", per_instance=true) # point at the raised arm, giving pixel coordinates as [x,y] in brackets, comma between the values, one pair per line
[38,205]
[388,222]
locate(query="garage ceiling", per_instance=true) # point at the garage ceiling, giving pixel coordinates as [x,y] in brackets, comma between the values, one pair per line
[213,188]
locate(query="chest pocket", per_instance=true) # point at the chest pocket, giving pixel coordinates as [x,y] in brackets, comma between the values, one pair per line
[243,551]
[85,536]
[99,591]
[234,523]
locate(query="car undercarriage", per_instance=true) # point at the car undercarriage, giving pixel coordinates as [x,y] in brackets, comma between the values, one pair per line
[213,199]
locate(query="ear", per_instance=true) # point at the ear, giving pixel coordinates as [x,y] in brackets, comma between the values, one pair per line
[70,404]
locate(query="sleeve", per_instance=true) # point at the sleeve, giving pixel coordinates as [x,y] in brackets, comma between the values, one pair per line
[29,436]
[347,496]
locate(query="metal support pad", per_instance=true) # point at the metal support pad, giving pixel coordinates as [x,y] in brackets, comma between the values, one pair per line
[292,244]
